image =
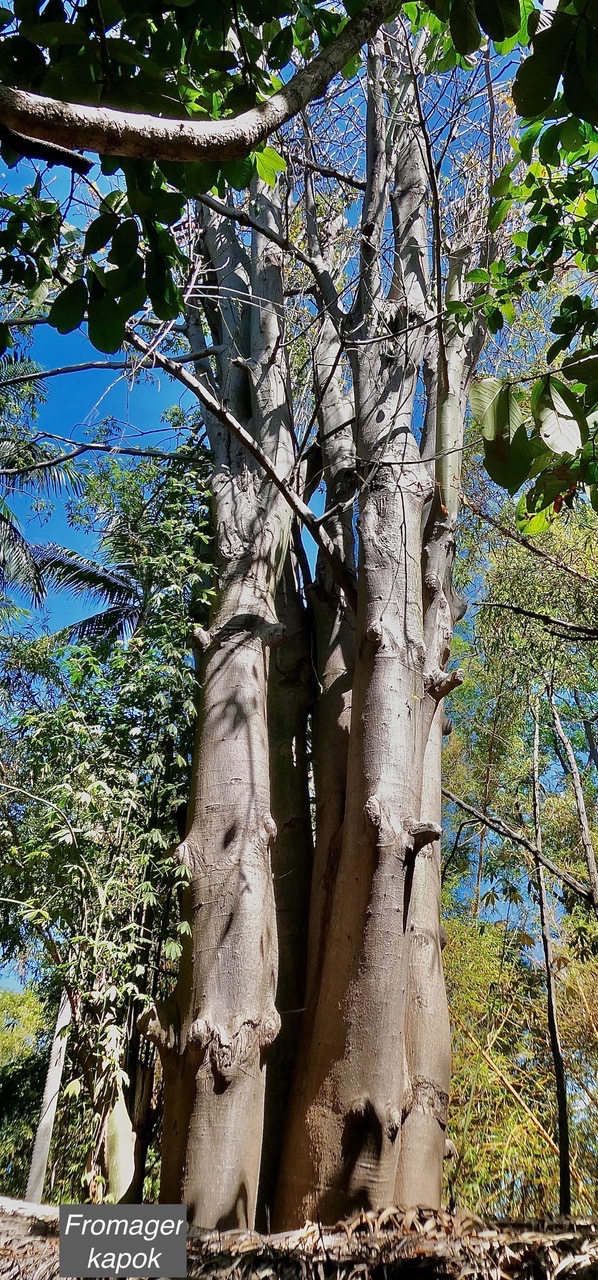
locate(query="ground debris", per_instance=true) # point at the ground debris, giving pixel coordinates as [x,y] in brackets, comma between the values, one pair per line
[397,1244]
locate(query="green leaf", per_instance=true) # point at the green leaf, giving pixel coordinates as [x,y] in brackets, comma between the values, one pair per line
[124,242]
[238,173]
[531,516]
[269,164]
[508,451]
[499,212]
[528,138]
[72,1089]
[464,27]
[281,49]
[478,276]
[100,231]
[164,295]
[106,325]
[536,81]
[351,67]
[557,416]
[582,365]
[498,18]
[580,82]
[593,492]
[68,309]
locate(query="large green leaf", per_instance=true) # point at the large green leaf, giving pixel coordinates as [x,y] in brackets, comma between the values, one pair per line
[464,26]
[556,415]
[68,309]
[508,451]
[106,325]
[498,18]
[538,76]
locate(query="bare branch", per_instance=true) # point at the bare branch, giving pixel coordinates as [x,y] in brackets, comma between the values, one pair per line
[571,630]
[205,396]
[503,829]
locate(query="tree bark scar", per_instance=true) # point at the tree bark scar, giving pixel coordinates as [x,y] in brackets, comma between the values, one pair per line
[429,1099]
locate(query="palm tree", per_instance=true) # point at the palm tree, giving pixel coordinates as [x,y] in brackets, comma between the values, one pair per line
[26,463]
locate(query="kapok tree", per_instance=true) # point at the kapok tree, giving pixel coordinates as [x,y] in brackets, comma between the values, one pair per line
[365,1120]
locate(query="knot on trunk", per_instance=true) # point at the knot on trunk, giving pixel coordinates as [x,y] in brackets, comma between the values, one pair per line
[373,812]
[184,855]
[439,683]
[273,634]
[270,828]
[422,834]
[374,635]
[228,1053]
[429,1099]
[201,638]
[393,1122]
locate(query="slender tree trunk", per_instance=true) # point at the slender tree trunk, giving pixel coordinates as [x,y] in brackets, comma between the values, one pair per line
[43,1136]
[553,1027]
[584,826]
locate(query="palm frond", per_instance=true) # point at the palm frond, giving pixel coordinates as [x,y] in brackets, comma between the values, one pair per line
[74,573]
[111,624]
[36,463]
[18,564]
[17,366]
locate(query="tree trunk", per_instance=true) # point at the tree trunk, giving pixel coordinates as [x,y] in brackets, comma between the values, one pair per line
[43,1136]
[213,1033]
[289,703]
[560,1077]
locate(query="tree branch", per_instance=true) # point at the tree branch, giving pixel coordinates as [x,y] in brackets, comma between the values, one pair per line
[572,630]
[503,829]
[126,133]
[342,575]
[33,149]
[41,374]
[527,543]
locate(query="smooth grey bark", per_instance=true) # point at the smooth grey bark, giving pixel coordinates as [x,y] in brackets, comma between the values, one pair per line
[214,1031]
[43,1135]
[560,1077]
[368,1123]
[334,621]
[342,1144]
